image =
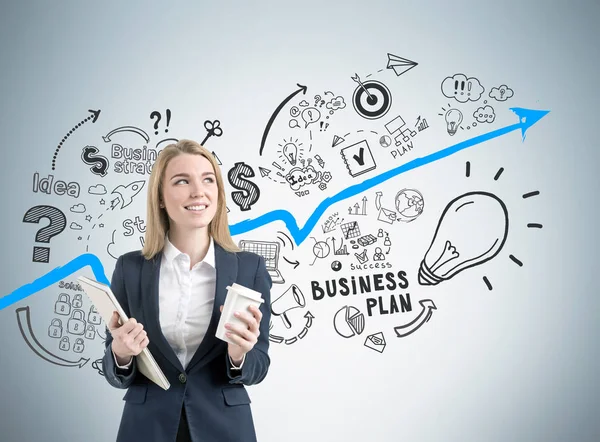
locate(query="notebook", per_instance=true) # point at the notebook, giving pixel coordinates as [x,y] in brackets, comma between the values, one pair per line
[105,302]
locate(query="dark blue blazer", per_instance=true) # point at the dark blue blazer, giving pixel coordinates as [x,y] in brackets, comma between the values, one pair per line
[216,401]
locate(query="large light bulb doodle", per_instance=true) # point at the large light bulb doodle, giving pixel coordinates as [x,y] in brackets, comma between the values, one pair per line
[471,231]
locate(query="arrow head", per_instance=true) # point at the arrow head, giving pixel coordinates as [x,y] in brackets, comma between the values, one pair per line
[95,113]
[428,303]
[528,117]
[303,88]
[82,362]
[309,315]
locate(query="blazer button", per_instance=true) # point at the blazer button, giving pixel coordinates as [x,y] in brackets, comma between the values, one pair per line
[182,378]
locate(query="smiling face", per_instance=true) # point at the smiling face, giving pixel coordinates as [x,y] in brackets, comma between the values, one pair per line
[190,192]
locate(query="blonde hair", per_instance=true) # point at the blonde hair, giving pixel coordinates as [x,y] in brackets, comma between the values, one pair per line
[157,220]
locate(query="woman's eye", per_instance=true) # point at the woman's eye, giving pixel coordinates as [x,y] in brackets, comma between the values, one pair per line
[181,181]
[210,180]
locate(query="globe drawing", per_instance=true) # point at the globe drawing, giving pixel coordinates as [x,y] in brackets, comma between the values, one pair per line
[409,204]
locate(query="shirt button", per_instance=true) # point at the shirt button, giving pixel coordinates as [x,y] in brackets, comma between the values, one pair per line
[182,378]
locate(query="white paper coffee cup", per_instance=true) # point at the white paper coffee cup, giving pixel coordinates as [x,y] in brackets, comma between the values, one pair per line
[238,299]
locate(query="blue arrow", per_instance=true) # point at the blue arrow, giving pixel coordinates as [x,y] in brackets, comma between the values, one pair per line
[527,118]
[53,276]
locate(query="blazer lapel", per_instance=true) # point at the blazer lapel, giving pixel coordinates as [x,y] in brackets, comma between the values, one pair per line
[227,267]
[149,285]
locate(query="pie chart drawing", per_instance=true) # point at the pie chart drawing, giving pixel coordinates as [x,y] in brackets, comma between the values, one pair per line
[349,321]
[321,250]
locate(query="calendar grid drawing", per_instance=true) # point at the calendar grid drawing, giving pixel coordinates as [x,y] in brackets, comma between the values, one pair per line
[350,230]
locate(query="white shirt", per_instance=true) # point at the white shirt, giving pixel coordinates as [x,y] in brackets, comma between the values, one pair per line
[185,300]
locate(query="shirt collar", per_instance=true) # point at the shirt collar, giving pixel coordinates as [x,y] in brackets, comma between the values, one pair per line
[170,252]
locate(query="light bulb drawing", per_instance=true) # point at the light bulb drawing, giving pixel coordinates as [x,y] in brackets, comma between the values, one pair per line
[453,119]
[291,150]
[472,230]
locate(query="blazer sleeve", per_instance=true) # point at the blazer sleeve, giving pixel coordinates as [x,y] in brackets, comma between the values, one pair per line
[118,378]
[257,361]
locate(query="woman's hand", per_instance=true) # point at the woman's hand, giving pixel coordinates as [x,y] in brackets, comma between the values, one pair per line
[129,339]
[245,336]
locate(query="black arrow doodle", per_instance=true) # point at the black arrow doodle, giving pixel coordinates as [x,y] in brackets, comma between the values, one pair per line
[136,130]
[272,119]
[422,318]
[294,263]
[93,117]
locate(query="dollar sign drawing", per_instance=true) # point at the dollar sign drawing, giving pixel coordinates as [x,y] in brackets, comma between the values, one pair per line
[99,164]
[249,192]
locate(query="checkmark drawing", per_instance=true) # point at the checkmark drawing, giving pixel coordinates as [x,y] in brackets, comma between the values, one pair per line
[360,159]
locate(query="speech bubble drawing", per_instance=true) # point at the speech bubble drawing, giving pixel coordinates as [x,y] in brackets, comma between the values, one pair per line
[310,115]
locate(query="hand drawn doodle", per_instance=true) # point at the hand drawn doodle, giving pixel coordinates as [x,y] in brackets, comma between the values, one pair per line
[213,129]
[48,186]
[126,193]
[98,189]
[77,208]
[24,323]
[290,299]
[485,114]
[358,208]
[290,150]
[376,342]
[424,315]
[93,117]
[350,230]
[396,126]
[461,88]
[453,118]
[399,65]
[371,99]
[501,93]
[248,192]
[358,158]
[341,250]
[310,115]
[461,240]
[337,140]
[90,156]
[331,223]
[279,339]
[276,112]
[409,204]
[320,249]
[57,223]
[336,266]
[269,250]
[158,116]
[421,124]
[349,321]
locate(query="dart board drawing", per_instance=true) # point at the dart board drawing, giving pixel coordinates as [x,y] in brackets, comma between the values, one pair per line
[372,99]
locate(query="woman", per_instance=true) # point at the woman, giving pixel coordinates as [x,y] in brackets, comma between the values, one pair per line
[173,292]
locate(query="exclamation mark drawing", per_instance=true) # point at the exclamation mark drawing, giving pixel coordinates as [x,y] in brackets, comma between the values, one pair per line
[168,119]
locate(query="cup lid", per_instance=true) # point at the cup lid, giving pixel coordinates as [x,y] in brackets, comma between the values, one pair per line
[245,291]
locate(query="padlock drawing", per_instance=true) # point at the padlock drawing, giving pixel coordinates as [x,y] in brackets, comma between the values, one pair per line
[77,301]
[78,346]
[76,323]
[64,344]
[55,329]
[93,316]
[63,305]
[90,331]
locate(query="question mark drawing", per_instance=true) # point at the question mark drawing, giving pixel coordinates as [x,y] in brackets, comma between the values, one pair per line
[58,222]
[155,114]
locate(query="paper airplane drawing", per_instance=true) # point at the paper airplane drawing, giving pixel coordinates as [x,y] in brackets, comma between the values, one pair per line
[399,65]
